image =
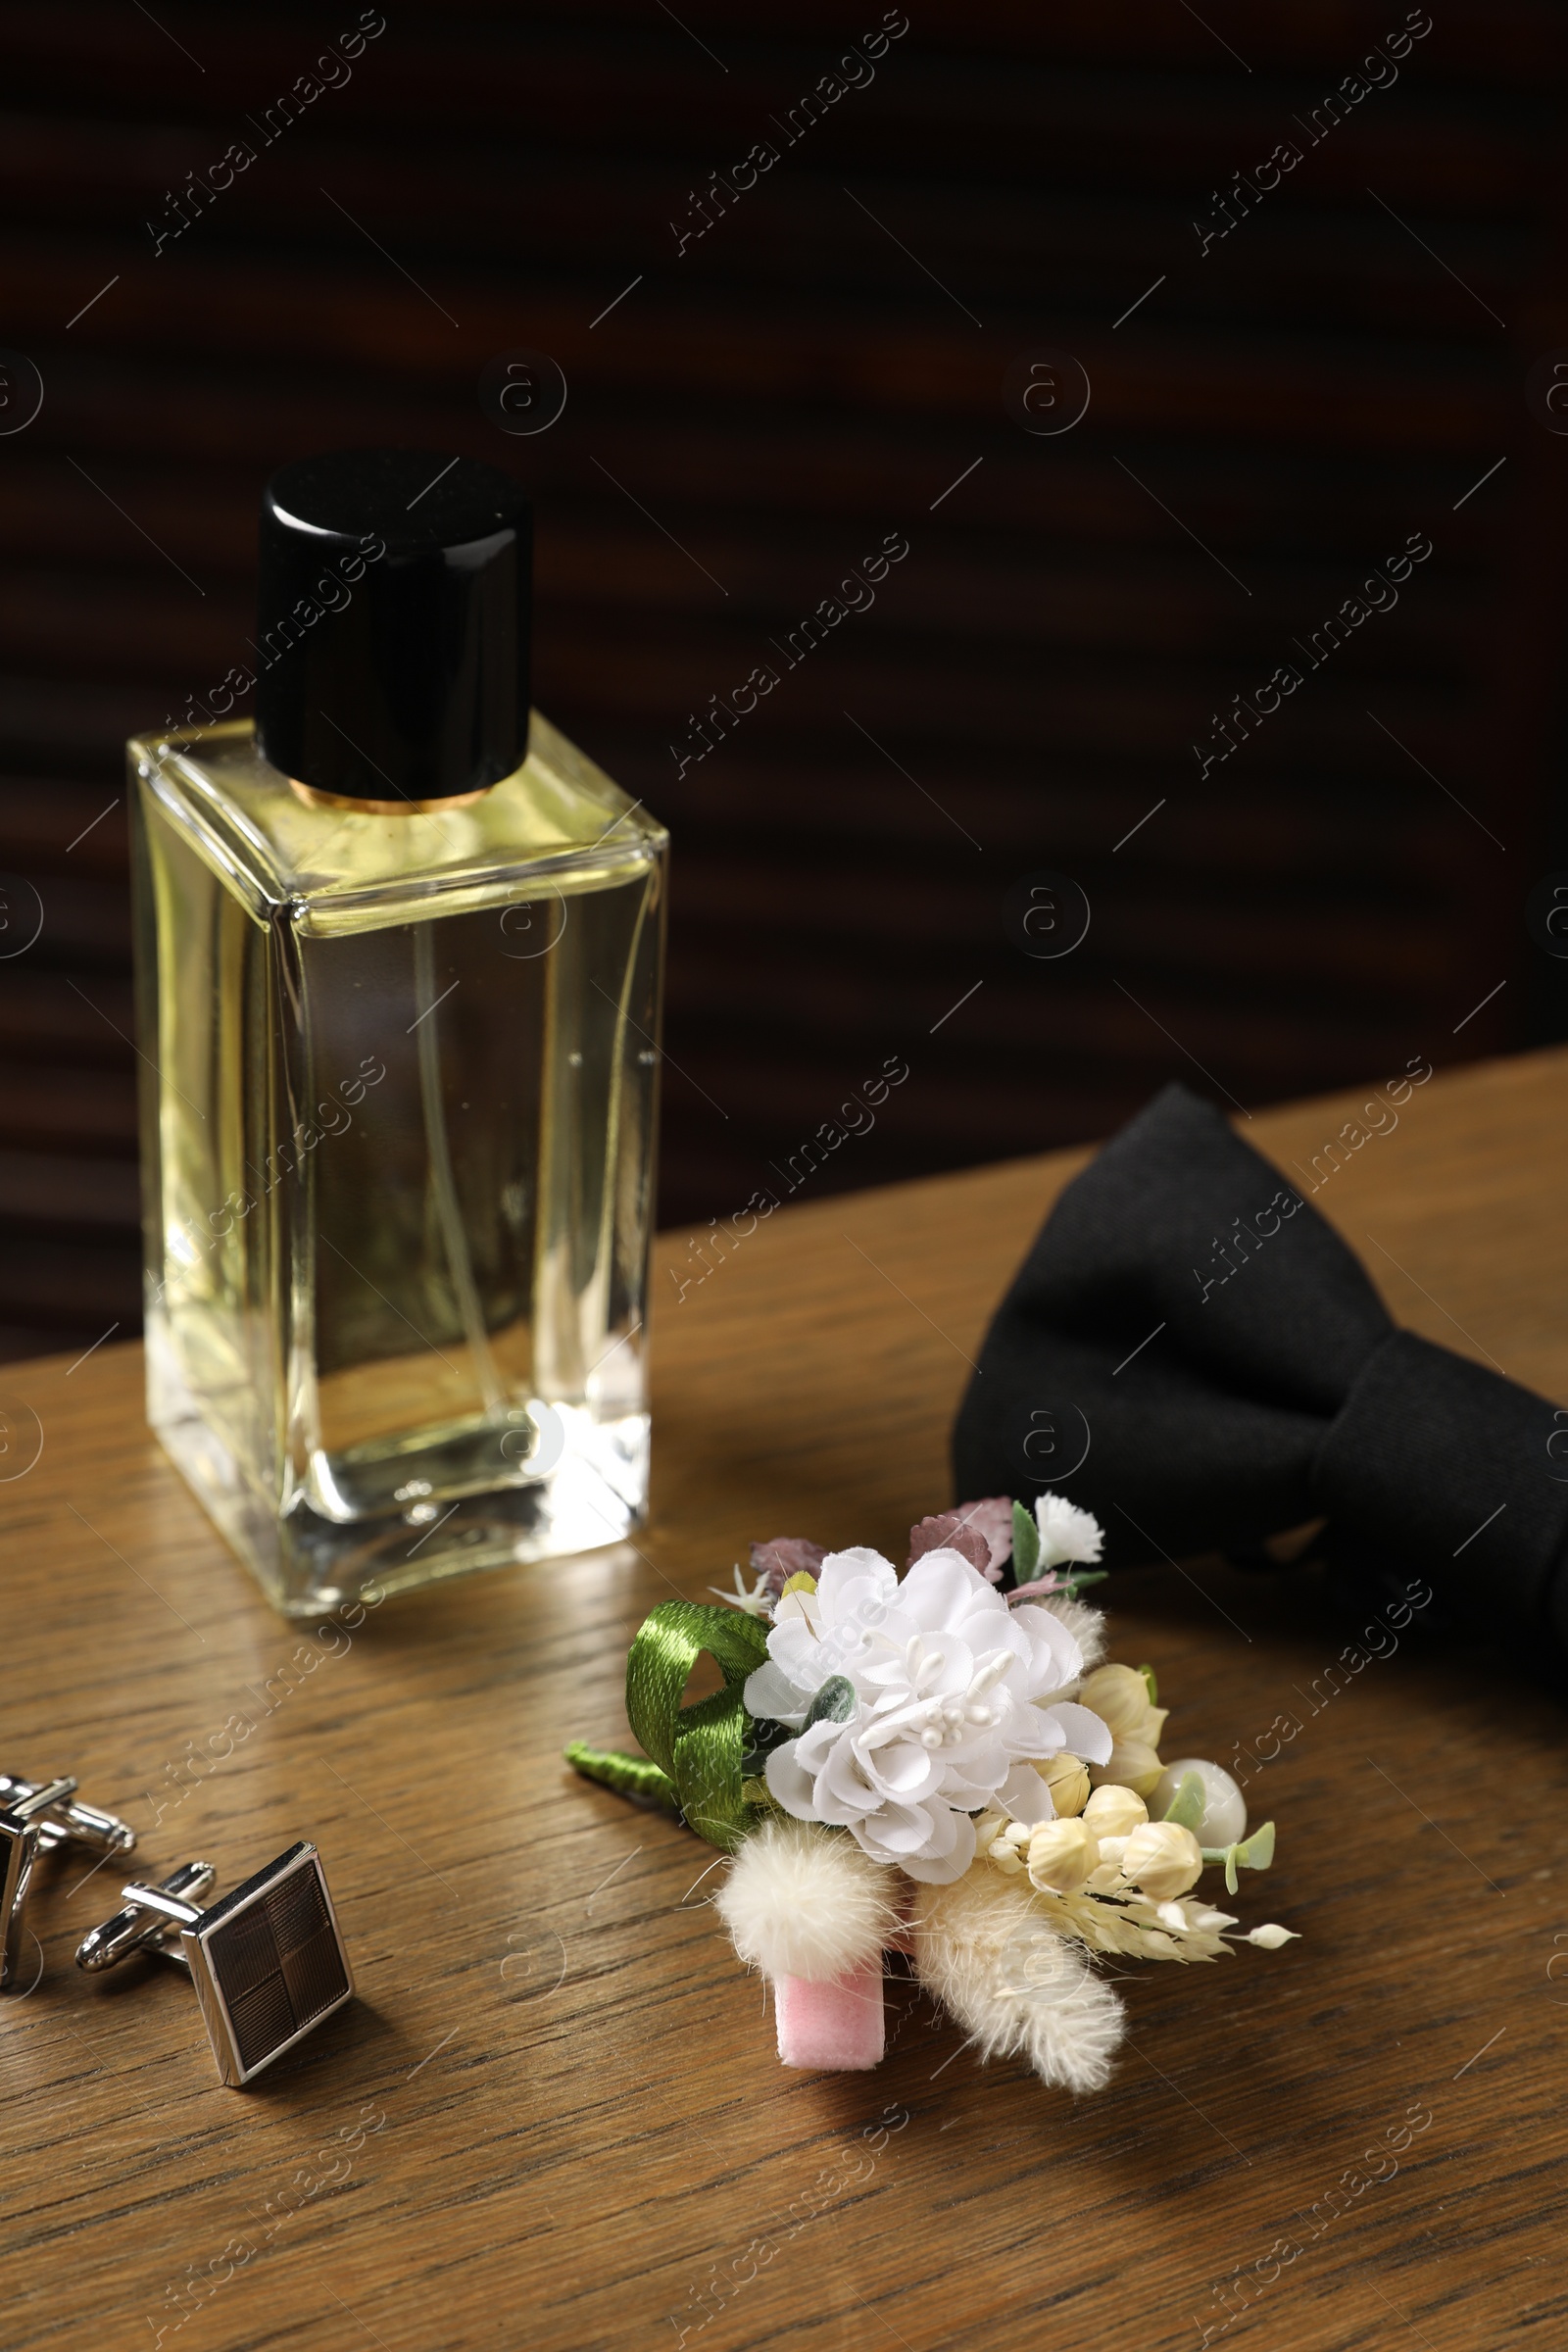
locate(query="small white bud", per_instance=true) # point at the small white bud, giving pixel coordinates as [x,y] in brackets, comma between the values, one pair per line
[1164,1859]
[1119,1696]
[1113,1811]
[1132,1764]
[1067,1778]
[1063,1854]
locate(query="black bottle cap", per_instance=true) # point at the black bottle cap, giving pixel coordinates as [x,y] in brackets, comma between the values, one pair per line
[394,604]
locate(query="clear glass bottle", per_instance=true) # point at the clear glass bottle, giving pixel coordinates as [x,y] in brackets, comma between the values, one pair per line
[399,1060]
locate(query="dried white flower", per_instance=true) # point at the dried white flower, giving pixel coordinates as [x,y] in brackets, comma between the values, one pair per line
[756,1602]
[1066,1534]
[942,1695]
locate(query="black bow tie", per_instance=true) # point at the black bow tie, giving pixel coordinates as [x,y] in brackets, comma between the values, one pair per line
[1195,1325]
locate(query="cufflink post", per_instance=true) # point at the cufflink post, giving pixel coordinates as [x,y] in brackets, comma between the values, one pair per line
[149,1919]
[36,1818]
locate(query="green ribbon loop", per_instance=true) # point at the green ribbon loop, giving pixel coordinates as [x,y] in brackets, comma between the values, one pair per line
[700,1747]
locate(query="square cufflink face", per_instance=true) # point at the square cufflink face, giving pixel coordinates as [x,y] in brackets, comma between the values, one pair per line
[18,1843]
[268,1964]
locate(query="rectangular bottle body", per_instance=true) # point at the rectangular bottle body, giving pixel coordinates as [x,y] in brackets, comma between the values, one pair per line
[399,1102]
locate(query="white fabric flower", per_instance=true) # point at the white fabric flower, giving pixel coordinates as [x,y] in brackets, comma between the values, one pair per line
[1066,1533]
[951,1697]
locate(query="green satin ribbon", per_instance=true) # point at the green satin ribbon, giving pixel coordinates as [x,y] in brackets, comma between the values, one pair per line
[697,1748]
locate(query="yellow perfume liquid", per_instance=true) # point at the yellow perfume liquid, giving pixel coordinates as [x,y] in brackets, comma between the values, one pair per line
[399,1100]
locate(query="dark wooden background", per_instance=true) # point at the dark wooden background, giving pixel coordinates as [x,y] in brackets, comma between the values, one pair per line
[1276,417]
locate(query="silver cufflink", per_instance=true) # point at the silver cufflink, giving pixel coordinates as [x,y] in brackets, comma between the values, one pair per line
[36,1816]
[268,1960]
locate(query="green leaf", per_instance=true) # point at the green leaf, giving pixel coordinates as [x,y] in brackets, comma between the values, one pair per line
[1147,1672]
[1259,1852]
[1253,1853]
[1025,1544]
[1187,1805]
[835,1703]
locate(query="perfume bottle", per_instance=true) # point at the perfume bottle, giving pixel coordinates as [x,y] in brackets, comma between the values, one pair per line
[399,965]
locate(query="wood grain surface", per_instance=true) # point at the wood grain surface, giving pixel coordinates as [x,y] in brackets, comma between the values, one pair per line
[553,2118]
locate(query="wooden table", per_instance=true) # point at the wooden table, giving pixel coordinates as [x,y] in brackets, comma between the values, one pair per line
[553,2117]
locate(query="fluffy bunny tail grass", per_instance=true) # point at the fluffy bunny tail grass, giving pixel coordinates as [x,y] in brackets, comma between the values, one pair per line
[803,1901]
[1085,1622]
[983,1950]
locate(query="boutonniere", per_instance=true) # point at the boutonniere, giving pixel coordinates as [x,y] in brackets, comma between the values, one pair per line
[941,1764]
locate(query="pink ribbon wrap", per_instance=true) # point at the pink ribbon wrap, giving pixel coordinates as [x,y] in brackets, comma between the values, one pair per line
[833,2028]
